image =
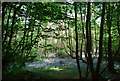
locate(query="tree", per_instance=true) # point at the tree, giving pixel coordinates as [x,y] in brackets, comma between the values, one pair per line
[110,56]
[88,45]
[76,32]
[100,41]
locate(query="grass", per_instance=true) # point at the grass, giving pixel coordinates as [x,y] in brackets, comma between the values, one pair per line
[54,72]
[53,69]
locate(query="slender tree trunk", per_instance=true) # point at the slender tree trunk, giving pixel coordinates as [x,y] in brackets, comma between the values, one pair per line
[110,57]
[95,35]
[70,39]
[82,32]
[32,30]
[45,47]
[100,40]
[13,22]
[76,31]
[118,25]
[12,27]
[35,40]
[23,39]
[3,16]
[88,47]
[6,34]
[96,41]
[105,44]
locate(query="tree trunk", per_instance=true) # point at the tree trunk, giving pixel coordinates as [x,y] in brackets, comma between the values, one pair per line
[76,32]
[100,41]
[13,22]
[110,57]
[88,47]
[6,33]
[3,16]
[70,39]
[82,32]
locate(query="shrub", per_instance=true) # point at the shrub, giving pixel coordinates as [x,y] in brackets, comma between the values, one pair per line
[61,54]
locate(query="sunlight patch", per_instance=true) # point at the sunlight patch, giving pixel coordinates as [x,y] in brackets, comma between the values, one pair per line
[49,60]
[31,65]
[56,69]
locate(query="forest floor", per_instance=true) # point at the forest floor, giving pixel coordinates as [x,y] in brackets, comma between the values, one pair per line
[58,68]
[54,68]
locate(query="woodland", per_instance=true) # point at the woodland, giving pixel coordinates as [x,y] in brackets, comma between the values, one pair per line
[61,40]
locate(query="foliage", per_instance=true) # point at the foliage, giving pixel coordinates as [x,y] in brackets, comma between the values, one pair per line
[33,31]
[61,54]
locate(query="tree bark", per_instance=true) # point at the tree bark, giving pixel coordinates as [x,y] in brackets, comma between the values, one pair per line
[76,32]
[3,16]
[110,57]
[6,34]
[13,22]
[88,45]
[100,41]
[82,32]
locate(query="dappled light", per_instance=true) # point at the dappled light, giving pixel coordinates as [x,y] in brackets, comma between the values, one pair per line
[56,68]
[60,40]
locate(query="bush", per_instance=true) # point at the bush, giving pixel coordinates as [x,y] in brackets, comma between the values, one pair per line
[61,54]
[39,57]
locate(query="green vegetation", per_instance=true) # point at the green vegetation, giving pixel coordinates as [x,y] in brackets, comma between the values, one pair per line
[61,40]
